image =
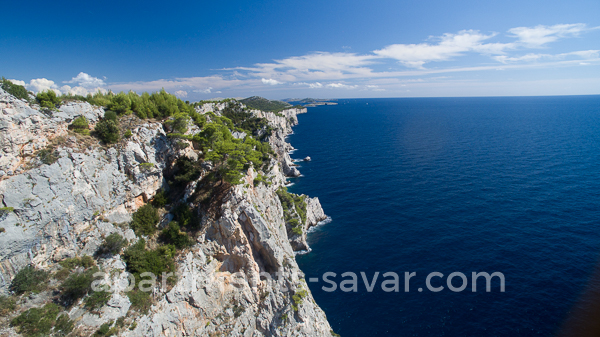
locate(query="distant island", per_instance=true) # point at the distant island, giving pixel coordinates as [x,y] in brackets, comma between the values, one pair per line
[310,102]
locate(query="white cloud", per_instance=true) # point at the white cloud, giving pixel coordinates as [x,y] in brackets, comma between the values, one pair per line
[340,85]
[270,81]
[540,35]
[65,89]
[450,45]
[42,84]
[181,93]
[531,57]
[18,82]
[315,85]
[86,81]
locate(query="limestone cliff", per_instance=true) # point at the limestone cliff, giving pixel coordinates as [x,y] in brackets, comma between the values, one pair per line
[238,279]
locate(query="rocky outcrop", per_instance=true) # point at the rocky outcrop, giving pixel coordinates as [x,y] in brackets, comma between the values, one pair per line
[239,278]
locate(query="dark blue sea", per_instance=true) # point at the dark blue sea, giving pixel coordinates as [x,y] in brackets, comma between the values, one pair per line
[423,185]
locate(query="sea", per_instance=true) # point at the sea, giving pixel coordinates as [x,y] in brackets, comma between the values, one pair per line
[453,186]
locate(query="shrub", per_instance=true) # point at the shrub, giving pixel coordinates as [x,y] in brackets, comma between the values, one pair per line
[261,179]
[185,217]
[145,167]
[145,220]
[106,330]
[16,90]
[77,285]
[140,301]
[179,123]
[107,130]
[128,134]
[80,125]
[97,300]
[47,99]
[74,262]
[112,245]
[120,103]
[64,325]
[37,321]
[298,298]
[111,116]
[48,156]
[173,235]
[187,170]
[7,305]
[2,230]
[6,210]
[140,260]
[160,199]
[29,279]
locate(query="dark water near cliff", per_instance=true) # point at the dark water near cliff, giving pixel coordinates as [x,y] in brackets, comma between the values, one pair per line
[454,185]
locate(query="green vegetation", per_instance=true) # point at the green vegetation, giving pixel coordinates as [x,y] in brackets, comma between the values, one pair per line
[145,220]
[106,330]
[97,300]
[74,262]
[48,99]
[179,123]
[230,156]
[77,285]
[140,260]
[7,305]
[64,325]
[186,170]
[145,167]
[48,156]
[2,230]
[29,279]
[107,130]
[140,301]
[185,216]
[292,202]
[172,235]
[112,244]
[261,179]
[333,334]
[243,120]
[263,104]
[160,199]
[128,134]
[111,116]
[6,210]
[298,298]
[80,125]
[37,321]
[16,90]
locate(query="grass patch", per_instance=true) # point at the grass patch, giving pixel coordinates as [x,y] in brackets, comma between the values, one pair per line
[140,301]
[7,305]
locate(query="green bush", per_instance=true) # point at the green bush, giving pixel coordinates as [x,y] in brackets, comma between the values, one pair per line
[29,279]
[128,134]
[185,216]
[298,298]
[97,300]
[77,285]
[2,230]
[16,90]
[64,325]
[145,220]
[120,103]
[106,330]
[107,130]
[179,123]
[48,99]
[48,156]
[6,210]
[140,300]
[187,170]
[160,199]
[172,234]
[74,262]
[36,321]
[111,116]
[80,125]
[112,244]
[7,305]
[140,260]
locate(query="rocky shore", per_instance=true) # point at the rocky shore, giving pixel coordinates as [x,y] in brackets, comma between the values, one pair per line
[239,278]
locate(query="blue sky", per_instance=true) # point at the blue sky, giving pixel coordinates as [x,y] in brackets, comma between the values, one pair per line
[324,49]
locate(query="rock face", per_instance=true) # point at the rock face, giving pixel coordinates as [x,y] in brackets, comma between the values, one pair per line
[239,278]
